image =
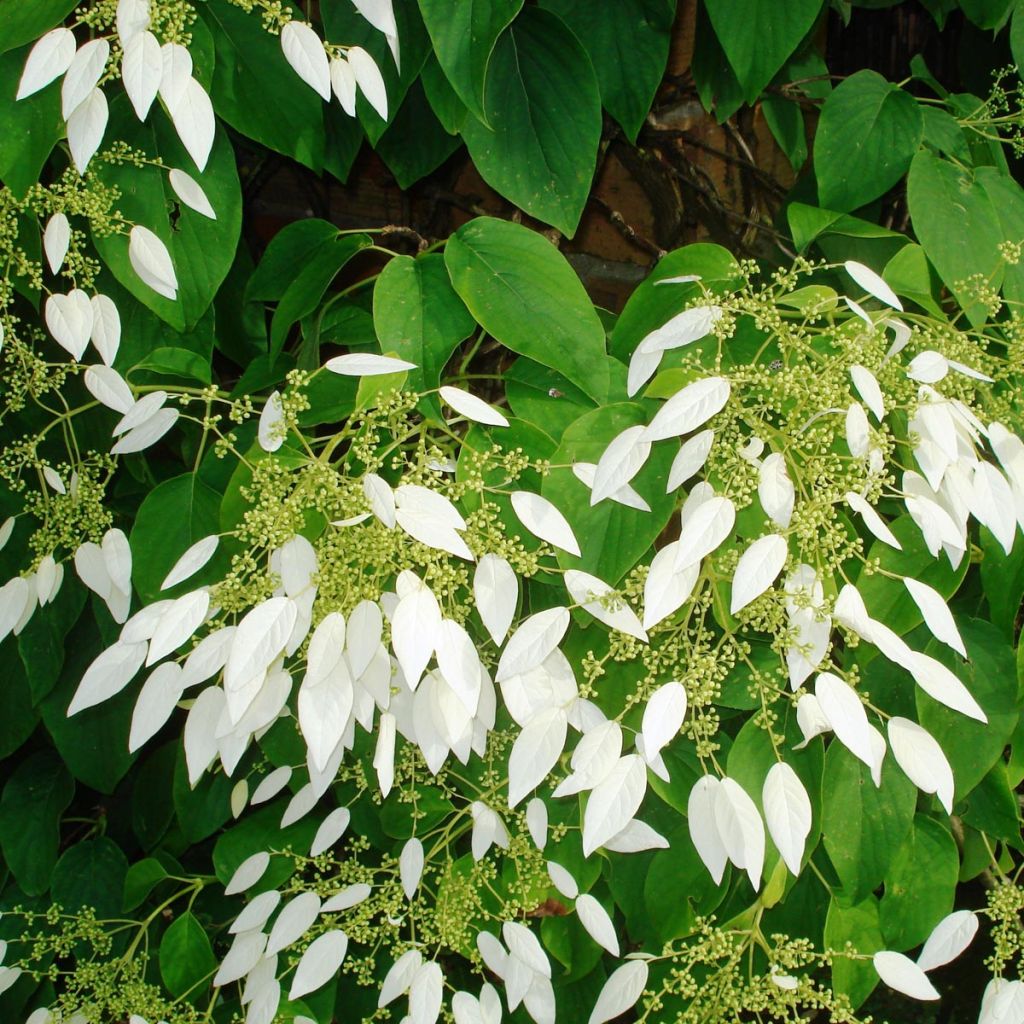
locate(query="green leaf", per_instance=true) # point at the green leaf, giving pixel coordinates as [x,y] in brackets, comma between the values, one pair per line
[628,45]
[867,135]
[1017,36]
[200,811]
[785,120]
[415,142]
[543,397]
[717,85]
[152,800]
[93,744]
[463,37]
[910,274]
[538,147]
[679,871]
[261,830]
[956,222]
[1002,579]
[186,959]
[1007,198]
[175,362]
[857,925]
[36,795]
[988,13]
[90,874]
[202,250]
[612,537]
[652,304]
[522,291]
[919,885]
[142,878]
[41,643]
[990,674]
[18,715]
[810,223]
[943,132]
[32,126]
[758,36]
[991,807]
[286,254]
[443,99]
[22,22]
[863,825]
[173,516]
[419,316]
[309,286]
[249,63]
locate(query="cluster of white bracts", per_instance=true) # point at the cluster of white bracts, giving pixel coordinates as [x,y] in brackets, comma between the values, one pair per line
[343,75]
[148,70]
[431,687]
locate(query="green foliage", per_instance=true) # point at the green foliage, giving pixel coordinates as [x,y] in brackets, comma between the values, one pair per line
[418,599]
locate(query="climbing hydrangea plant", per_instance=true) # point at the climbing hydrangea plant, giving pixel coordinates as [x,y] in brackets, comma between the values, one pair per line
[509,659]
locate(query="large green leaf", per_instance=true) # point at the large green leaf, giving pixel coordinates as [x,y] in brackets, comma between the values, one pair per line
[90,874]
[919,885]
[94,743]
[1007,198]
[186,959]
[857,925]
[34,798]
[990,674]
[41,643]
[758,36]
[32,126]
[524,293]
[203,809]
[255,90]
[202,250]
[543,397]
[418,315]
[310,285]
[863,825]
[22,22]
[652,304]
[18,714]
[867,135]
[628,45]
[415,142]
[174,515]
[464,35]
[538,147]
[956,222]
[612,537]
[286,254]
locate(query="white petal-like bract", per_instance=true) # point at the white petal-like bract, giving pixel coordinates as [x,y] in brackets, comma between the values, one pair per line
[48,59]
[902,974]
[190,192]
[544,521]
[757,569]
[872,283]
[787,812]
[304,51]
[620,992]
[369,79]
[471,407]
[151,260]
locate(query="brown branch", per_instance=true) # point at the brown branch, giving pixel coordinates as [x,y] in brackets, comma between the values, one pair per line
[627,230]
